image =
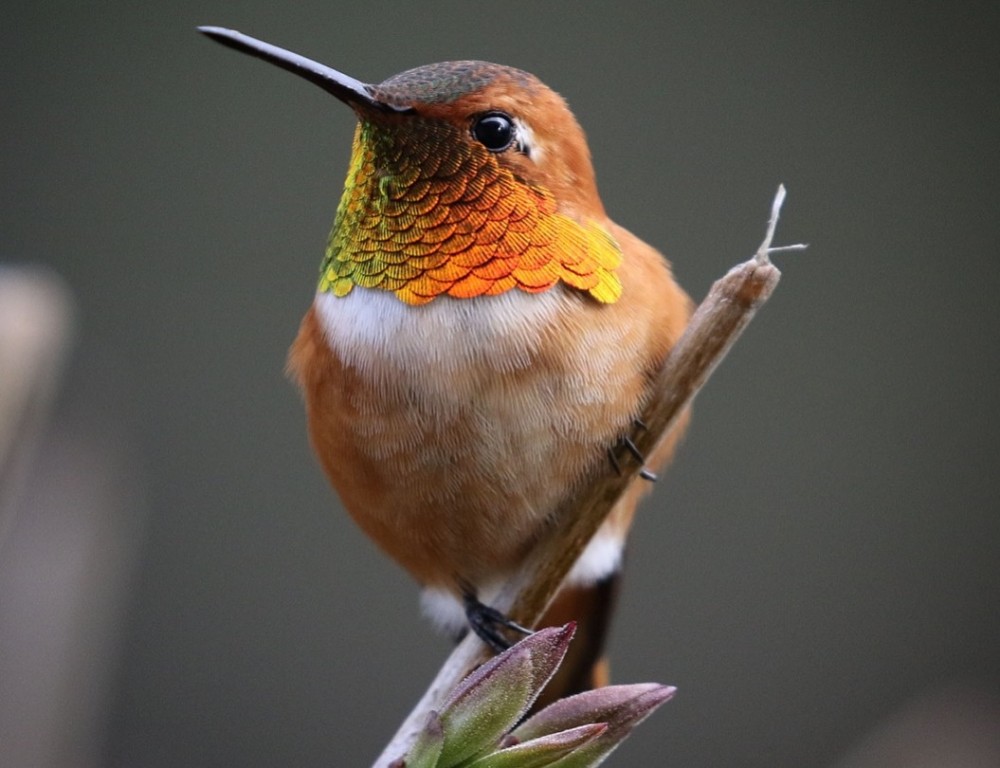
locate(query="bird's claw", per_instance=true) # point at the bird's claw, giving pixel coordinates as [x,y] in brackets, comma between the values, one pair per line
[629,445]
[487,622]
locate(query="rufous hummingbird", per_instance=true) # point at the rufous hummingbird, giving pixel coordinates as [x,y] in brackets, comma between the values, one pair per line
[481,335]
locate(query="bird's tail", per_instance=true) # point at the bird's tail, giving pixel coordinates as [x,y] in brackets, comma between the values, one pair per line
[590,602]
[591,606]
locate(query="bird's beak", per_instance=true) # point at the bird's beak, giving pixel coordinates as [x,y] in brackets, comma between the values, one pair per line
[354,93]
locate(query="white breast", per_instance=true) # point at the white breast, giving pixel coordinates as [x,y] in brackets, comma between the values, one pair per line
[373,327]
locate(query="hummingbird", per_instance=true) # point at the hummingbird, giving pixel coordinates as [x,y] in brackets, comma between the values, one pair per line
[482,335]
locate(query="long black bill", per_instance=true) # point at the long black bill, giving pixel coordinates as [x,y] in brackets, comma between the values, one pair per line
[347,89]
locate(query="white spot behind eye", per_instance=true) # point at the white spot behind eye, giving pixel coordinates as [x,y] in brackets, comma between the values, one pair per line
[526,141]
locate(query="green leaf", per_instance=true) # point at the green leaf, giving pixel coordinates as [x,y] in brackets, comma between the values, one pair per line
[543,751]
[622,707]
[426,750]
[488,703]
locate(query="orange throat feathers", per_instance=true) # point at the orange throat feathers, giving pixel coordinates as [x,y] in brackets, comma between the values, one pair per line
[425,214]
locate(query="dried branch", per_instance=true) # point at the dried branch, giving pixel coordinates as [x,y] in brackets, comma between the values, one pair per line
[716,324]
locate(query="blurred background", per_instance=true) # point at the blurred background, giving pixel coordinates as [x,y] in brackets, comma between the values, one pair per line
[819,573]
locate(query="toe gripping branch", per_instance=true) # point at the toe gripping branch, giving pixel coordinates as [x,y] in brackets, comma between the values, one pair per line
[630,447]
[489,624]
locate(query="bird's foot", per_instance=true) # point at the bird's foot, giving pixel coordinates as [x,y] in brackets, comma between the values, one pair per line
[489,624]
[625,442]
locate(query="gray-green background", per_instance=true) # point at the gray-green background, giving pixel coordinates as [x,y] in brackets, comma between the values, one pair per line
[824,552]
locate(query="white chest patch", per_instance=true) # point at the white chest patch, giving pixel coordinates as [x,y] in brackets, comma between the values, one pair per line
[373,327]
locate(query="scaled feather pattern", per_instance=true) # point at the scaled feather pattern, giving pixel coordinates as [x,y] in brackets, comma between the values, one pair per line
[427,215]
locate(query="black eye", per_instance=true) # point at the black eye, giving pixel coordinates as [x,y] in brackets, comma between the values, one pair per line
[494,130]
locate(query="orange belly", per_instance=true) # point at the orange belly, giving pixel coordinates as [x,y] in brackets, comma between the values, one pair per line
[451,431]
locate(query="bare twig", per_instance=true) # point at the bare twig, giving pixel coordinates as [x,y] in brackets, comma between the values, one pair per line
[716,324]
[36,327]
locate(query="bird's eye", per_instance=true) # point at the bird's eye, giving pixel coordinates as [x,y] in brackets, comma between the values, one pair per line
[494,130]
